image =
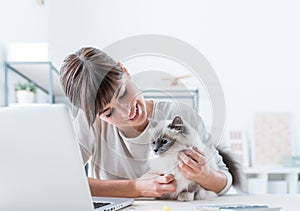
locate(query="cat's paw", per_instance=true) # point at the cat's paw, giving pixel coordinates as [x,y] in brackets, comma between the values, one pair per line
[185,196]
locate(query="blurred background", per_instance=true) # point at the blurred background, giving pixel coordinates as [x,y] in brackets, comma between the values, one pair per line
[253,47]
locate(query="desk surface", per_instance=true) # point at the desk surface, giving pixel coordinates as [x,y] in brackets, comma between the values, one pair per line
[287,202]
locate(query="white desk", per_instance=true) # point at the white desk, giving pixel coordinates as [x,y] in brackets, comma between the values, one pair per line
[288,202]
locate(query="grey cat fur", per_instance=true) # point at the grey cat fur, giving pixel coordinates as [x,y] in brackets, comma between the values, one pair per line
[171,137]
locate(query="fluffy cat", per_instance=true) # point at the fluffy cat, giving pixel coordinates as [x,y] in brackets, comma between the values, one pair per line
[171,137]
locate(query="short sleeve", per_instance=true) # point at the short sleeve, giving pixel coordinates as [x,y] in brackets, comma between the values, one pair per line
[224,169]
[84,136]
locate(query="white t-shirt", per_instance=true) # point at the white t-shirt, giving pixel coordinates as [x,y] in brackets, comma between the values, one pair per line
[113,156]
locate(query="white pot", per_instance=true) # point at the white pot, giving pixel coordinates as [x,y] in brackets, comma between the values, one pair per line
[25,97]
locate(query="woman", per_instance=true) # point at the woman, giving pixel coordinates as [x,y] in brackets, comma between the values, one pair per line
[113,127]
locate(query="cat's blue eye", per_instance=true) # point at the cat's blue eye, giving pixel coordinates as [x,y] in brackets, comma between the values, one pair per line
[164,141]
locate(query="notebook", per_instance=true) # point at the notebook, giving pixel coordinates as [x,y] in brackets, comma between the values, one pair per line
[238,207]
[41,165]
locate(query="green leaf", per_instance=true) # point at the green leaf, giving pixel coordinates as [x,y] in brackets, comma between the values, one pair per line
[28,86]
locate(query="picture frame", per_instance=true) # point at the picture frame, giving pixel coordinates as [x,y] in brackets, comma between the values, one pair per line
[239,145]
[272,138]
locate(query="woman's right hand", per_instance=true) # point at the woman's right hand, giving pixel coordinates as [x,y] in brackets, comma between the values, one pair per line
[153,184]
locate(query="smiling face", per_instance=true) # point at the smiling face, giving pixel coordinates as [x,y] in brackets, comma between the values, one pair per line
[127,108]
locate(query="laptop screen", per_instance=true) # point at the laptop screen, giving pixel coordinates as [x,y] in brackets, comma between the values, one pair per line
[41,166]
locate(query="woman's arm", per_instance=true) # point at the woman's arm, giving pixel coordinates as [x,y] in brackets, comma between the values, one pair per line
[149,185]
[193,166]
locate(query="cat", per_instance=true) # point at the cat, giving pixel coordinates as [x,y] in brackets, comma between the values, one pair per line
[172,137]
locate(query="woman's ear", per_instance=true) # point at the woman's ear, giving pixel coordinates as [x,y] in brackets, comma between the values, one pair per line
[124,69]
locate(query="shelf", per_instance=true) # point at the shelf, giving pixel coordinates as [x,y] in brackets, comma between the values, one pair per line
[188,96]
[43,74]
[272,170]
[260,180]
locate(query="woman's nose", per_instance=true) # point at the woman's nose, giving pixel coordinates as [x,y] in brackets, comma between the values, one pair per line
[127,108]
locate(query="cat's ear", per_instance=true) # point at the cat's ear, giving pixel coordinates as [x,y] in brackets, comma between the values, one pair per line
[177,124]
[177,121]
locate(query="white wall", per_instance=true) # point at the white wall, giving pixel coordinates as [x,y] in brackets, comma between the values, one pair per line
[21,21]
[252,45]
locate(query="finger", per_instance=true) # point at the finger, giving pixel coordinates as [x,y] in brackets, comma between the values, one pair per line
[154,172]
[187,160]
[167,188]
[150,175]
[198,150]
[198,157]
[183,166]
[165,179]
[169,177]
[186,170]
[193,154]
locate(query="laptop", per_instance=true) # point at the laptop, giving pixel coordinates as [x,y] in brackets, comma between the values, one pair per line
[40,162]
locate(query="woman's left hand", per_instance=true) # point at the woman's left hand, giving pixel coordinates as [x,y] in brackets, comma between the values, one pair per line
[193,165]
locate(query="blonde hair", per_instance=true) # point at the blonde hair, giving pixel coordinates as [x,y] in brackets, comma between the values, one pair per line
[89,79]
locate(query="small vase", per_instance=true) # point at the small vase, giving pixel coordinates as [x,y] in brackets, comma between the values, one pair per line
[25,97]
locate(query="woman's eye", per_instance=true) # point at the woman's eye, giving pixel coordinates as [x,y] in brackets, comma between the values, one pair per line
[110,113]
[124,94]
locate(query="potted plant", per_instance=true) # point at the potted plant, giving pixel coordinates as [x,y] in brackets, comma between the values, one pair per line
[25,92]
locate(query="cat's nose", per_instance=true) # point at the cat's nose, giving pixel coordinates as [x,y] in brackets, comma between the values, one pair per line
[155,150]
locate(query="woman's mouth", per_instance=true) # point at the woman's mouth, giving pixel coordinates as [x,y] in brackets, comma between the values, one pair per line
[135,114]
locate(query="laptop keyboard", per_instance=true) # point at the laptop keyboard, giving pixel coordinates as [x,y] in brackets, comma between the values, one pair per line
[99,204]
